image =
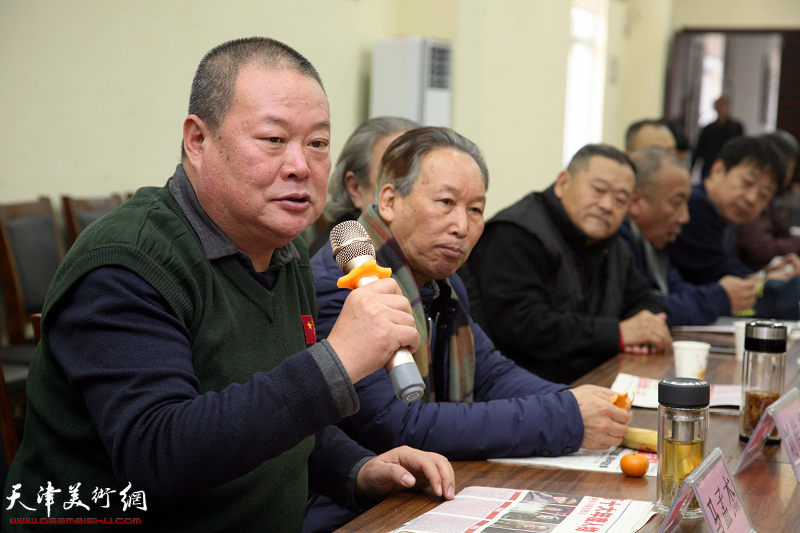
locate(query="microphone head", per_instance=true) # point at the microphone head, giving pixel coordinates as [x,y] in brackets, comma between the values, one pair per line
[351,245]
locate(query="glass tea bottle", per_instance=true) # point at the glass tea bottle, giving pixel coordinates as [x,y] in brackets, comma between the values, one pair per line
[682,433]
[763,374]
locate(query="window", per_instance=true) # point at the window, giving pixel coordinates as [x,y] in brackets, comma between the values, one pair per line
[583,119]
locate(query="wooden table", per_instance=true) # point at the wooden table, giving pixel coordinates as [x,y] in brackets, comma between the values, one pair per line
[768,488]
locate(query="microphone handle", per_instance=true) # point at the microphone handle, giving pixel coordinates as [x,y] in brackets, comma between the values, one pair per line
[403,372]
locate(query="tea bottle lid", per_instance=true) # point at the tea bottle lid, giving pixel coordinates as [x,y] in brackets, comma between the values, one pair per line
[684,392]
[765,336]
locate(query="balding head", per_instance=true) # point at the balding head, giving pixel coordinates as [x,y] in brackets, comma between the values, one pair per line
[659,204]
[649,134]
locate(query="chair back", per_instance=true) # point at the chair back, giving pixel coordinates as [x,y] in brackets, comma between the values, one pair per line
[30,252]
[8,430]
[80,212]
[14,363]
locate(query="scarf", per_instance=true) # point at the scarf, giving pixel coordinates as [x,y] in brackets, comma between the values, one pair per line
[461,364]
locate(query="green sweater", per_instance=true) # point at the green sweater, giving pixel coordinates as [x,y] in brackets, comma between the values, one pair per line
[237,328]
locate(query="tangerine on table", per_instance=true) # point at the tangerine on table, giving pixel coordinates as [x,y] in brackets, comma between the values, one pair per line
[634,464]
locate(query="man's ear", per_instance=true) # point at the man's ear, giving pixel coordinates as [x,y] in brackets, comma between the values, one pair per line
[717,170]
[353,189]
[350,183]
[387,197]
[561,182]
[636,207]
[195,133]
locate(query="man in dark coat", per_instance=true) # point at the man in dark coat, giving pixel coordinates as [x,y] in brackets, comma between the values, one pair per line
[658,212]
[478,404]
[557,288]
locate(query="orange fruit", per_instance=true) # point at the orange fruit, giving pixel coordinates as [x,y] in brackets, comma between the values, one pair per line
[622,400]
[634,464]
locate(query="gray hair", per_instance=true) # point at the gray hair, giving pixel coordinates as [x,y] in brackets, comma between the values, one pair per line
[214,82]
[356,157]
[648,161]
[400,165]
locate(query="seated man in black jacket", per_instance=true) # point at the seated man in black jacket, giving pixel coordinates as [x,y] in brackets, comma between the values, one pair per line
[551,282]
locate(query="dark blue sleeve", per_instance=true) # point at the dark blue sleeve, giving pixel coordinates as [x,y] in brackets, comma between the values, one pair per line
[699,253]
[331,467]
[498,377]
[691,304]
[131,359]
[519,414]
[528,417]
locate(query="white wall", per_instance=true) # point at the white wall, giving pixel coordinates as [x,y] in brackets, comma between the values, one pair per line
[613,128]
[645,33]
[510,86]
[731,14]
[94,92]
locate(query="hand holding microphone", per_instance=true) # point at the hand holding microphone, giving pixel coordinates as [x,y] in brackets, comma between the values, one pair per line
[355,254]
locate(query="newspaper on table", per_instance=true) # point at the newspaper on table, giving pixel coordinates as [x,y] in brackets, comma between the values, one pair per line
[592,460]
[498,510]
[724,398]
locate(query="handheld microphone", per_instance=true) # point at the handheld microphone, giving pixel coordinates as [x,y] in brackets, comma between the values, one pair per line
[355,254]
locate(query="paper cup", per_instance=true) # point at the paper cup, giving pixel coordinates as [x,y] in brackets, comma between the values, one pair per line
[738,339]
[691,358]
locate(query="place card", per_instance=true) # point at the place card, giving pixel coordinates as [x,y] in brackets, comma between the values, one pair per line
[713,486]
[785,413]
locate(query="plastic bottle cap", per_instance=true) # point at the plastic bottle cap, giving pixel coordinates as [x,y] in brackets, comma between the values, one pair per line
[684,392]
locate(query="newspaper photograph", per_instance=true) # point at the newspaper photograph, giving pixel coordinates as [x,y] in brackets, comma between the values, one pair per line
[498,510]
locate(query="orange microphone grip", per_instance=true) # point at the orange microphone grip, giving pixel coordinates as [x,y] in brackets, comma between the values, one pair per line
[368,269]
